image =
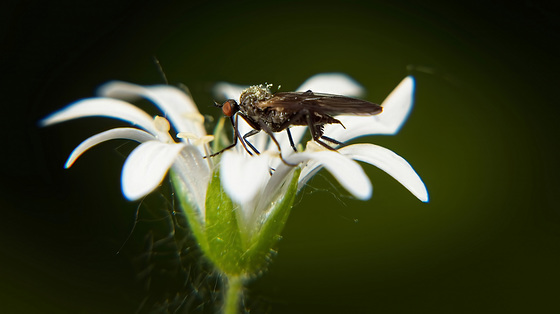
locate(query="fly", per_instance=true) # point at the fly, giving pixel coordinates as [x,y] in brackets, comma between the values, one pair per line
[271,113]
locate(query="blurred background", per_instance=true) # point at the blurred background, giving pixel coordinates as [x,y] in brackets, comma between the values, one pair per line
[482,135]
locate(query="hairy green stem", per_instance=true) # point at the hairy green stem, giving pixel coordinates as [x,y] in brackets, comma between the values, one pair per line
[233,294]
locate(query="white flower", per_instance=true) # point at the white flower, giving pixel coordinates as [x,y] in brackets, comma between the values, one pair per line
[255,183]
[237,230]
[248,180]
[148,163]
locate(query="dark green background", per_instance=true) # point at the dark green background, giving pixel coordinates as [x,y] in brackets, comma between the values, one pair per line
[482,135]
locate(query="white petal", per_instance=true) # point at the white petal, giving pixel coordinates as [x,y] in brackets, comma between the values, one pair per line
[274,191]
[177,106]
[278,177]
[146,167]
[104,107]
[348,172]
[393,164]
[118,133]
[228,91]
[311,168]
[396,108]
[333,83]
[192,171]
[242,176]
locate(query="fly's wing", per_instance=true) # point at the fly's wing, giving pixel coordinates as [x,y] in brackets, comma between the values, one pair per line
[320,103]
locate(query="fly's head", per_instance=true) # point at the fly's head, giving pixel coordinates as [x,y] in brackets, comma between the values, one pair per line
[229,107]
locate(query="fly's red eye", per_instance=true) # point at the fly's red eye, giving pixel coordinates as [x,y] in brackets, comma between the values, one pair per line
[227,108]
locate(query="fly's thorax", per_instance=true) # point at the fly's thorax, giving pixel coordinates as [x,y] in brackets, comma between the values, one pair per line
[251,103]
[253,95]
[250,98]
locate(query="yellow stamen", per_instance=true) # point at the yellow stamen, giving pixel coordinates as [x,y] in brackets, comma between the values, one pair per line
[312,146]
[161,124]
[194,116]
[196,140]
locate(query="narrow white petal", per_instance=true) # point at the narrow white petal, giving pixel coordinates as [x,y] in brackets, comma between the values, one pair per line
[275,191]
[311,168]
[228,91]
[396,108]
[393,164]
[118,133]
[348,172]
[192,171]
[333,83]
[102,107]
[278,177]
[242,176]
[146,167]
[177,106]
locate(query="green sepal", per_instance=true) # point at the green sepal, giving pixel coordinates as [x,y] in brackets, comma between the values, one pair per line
[193,215]
[233,250]
[262,247]
[220,138]
[238,254]
[225,248]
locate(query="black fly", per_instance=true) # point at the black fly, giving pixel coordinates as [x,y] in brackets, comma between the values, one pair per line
[276,112]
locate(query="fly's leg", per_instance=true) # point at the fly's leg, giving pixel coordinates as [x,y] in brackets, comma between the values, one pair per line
[287,123]
[236,136]
[248,134]
[317,133]
[315,129]
[268,131]
[291,139]
[332,140]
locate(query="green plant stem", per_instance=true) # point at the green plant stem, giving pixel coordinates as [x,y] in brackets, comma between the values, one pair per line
[233,294]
